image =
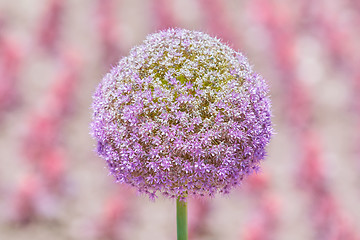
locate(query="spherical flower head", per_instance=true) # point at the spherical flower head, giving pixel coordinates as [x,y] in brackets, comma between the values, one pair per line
[182,115]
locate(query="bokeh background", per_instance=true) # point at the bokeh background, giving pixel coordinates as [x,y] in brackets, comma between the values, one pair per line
[53,53]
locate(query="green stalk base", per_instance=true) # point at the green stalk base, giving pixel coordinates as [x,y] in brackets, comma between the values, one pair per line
[181,220]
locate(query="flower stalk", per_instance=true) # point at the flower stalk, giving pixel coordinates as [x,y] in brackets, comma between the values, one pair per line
[181,220]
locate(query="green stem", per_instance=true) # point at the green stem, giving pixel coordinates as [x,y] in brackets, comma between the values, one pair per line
[181,220]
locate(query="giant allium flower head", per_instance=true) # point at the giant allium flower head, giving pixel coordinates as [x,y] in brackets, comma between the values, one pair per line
[183,114]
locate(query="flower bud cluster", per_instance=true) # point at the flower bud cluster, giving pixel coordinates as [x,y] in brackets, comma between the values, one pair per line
[183,114]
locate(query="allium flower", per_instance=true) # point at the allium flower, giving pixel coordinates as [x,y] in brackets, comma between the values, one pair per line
[183,114]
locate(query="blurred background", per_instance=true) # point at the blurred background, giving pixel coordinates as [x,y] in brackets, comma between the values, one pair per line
[53,53]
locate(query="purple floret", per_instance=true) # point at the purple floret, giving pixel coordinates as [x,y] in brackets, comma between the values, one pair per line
[182,115]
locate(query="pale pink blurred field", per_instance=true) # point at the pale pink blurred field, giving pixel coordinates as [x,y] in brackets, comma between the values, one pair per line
[307,50]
